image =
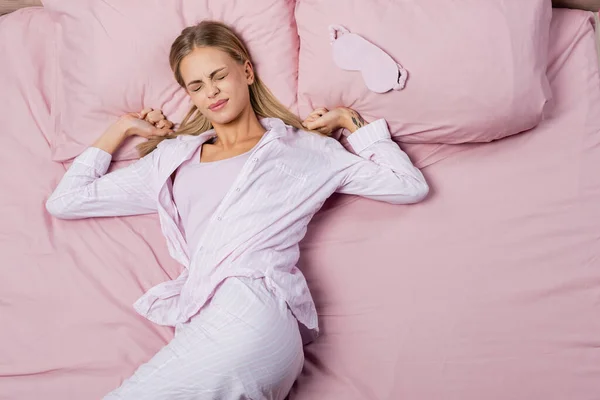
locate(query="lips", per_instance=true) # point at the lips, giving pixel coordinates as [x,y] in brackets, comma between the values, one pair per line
[218,105]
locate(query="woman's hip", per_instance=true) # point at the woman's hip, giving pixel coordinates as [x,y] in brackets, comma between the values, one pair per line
[254,333]
[244,343]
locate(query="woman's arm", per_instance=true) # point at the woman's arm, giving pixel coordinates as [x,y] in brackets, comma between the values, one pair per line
[590,5]
[7,6]
[87,191]
[379,170]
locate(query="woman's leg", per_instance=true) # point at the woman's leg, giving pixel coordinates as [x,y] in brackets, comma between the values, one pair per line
[244,344]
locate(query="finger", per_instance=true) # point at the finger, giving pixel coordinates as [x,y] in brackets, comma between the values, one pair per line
[166,124]
[309,125]
[154,116]
[163,132]
[312,117]
[150,118]
[307,121]
[318,112]
[144,112]
[314,125]
[321,111]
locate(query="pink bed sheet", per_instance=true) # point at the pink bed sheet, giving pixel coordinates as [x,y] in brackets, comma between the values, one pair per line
[67,328]
[488,290]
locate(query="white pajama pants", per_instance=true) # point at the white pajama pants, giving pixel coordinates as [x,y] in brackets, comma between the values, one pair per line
[243,344]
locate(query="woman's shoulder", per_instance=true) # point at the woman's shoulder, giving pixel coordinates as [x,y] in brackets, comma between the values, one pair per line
[170,147]
[316,140]
[310,144]
[179,140]
[163,145]
[303,136]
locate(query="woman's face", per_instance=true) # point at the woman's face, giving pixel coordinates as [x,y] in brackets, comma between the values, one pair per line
[217,84]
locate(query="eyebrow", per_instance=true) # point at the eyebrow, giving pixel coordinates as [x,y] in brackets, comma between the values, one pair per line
[212,74]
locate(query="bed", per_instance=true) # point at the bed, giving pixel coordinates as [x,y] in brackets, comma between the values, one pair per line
[489,289]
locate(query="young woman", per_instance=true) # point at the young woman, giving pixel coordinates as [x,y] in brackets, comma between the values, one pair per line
[235,188]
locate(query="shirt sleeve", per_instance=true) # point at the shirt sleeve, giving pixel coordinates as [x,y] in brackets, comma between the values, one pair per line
[87,191]
[379,170]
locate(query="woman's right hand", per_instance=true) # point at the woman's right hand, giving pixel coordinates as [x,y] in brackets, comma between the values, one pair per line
[148,124]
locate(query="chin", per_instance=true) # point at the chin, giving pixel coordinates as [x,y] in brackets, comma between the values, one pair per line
[223,118]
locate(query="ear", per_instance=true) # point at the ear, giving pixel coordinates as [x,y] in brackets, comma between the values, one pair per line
[249,71]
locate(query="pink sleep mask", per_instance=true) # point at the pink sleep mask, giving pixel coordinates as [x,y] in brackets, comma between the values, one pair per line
[353,53]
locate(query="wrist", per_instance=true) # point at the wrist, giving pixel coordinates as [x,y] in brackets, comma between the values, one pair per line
[121,128]
[351,120]
[345,119]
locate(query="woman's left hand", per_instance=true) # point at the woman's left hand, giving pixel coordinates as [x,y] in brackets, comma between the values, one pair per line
[326,121]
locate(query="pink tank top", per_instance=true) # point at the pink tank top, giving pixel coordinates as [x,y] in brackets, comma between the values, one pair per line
[197,206]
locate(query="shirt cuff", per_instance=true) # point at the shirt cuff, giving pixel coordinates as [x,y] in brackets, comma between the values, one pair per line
[95,158]
[368,135]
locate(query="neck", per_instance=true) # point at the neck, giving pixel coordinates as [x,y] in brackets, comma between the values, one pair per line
[245,127]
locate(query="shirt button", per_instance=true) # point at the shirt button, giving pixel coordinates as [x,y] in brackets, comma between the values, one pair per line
[219,218]
[255,159]
[237,189]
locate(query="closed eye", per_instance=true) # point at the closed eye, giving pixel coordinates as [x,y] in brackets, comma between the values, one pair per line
[222,70]
[220,78]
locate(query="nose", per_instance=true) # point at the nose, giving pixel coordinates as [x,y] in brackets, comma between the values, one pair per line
[213,90]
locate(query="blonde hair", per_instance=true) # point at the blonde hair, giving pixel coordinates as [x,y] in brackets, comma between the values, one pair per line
[217,34]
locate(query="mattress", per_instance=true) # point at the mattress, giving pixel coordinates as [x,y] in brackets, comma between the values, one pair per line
[490,289]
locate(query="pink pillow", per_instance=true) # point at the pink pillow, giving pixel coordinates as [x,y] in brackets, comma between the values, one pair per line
[28,72]
[113,58]
[477,69]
